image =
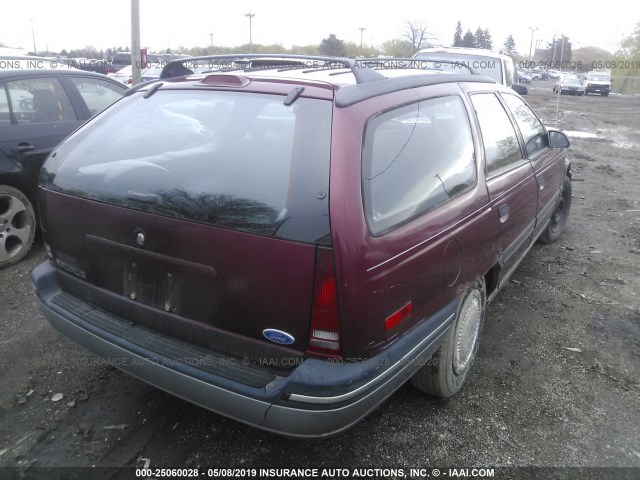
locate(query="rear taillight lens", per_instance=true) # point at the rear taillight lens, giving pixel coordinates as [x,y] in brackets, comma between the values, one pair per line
[324,334]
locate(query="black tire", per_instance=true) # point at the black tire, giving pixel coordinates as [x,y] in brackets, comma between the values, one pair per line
[558,221]
[17,226]
[448,369]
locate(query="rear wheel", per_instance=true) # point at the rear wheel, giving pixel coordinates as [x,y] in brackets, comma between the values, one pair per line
[558,221]
[17,225]
[450,366]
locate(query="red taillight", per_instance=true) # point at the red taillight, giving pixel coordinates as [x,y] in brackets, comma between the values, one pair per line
[324,334]
[397,316]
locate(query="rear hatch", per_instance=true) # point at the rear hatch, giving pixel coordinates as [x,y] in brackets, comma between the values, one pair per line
[197,213]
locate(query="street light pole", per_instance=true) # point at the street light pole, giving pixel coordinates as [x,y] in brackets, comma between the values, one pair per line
[211,35]
[33,34]
[362,29]
[531,43]
[250,16]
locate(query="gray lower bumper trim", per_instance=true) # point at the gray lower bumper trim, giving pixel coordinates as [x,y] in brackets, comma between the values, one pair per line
[276,413]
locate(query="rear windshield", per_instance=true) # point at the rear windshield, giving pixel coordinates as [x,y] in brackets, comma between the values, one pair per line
[243,161]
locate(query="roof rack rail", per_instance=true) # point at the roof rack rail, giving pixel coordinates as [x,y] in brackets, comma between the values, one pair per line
[180,67]
[363,69]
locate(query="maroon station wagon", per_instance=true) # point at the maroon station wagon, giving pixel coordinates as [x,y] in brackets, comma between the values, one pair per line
[287,245]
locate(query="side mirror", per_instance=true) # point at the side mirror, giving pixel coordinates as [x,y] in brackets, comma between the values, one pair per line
[520,89]
[558,139]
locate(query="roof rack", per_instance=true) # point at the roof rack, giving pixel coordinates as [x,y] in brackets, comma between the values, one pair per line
[243,62]
[363,69]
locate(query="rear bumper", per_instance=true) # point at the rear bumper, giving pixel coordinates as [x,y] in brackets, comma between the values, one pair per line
[317,398]
[568,91]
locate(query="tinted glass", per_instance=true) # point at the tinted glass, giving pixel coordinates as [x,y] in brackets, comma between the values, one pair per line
[237,160]
[40,100]
[498,135]
[5,118]
[533,133]
[415,158]
[97,94]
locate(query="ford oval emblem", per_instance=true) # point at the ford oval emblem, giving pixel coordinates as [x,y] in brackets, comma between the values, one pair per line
[278,336]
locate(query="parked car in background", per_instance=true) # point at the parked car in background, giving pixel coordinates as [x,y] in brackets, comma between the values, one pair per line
[38,109]
[125,75]
[292,245]
[553,74]
[539,74]
[598,82]
[569,86]
[524,77]
[123,59]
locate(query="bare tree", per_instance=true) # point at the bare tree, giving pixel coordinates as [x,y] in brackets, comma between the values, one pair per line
[416,34]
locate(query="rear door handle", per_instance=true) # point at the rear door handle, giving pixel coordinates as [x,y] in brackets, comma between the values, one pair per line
[504,213]
[23,148]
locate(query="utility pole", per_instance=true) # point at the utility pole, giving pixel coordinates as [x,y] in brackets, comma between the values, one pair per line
[533,29]
[33,34]
[211,35]
[362,29]
[250,16]
[136,76]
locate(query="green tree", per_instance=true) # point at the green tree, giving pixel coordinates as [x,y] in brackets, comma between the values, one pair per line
[510,45]
[488,42]
[468,40]
[457,36]
[626,78]
[558,52]
[304,49]
[478,38]
[397,48]
[332,46]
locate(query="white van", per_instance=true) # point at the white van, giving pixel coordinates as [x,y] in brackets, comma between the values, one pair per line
[477,60]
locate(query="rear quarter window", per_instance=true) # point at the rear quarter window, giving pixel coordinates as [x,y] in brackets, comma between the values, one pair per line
[415,158]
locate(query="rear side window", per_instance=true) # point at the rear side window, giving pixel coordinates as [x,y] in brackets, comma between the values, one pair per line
[415,158]
[498,135]
[39,100]
[243,161]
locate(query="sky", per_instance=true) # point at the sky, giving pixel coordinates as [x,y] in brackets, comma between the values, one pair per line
[71,24]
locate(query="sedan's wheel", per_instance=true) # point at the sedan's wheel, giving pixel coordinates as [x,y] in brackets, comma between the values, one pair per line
[17,226]
[449,368]
[558,221]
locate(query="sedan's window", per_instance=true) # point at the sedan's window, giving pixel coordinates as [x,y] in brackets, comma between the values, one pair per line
[39,100]
[98,94]
[533,133]
[415,158]
[498,135]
